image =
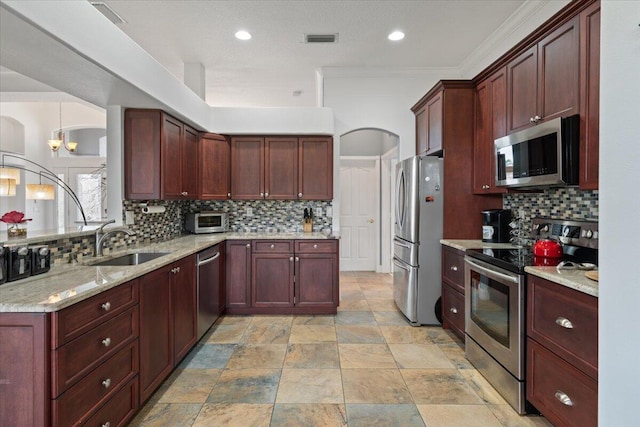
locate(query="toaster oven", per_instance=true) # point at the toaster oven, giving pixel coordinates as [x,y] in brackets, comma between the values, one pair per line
[207,222]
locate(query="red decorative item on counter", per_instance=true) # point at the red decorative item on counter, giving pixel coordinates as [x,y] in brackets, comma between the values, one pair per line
[540,261]
[547,249]
[14,217]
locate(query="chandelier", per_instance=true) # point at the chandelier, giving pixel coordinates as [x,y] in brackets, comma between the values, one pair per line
[55,144]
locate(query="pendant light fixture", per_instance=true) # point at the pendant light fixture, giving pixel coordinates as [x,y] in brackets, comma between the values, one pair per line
[7,187]
[55,144]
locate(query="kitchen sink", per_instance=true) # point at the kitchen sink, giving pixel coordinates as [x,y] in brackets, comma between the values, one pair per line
[131,259]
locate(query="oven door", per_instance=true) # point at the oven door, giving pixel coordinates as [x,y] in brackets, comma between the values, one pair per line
[494,313]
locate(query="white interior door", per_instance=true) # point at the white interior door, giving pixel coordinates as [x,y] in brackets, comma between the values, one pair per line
[358,214]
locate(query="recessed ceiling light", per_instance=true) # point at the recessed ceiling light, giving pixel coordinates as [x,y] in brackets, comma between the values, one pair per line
[396,35]
[243,35]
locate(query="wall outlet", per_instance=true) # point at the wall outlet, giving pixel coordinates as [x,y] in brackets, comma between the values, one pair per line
[318,212]
[249,212]
[128,218]
[329,212]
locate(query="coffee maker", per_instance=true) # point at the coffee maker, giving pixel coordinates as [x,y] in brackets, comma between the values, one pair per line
[495,225]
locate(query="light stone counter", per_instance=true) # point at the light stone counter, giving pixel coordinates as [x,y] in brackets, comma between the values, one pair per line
[463,245]
[574,279]
[68,284]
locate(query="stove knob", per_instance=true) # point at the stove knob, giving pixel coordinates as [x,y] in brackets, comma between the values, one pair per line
[43,251]
[589,234]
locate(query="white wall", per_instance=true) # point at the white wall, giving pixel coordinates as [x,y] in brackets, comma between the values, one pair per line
[619,346]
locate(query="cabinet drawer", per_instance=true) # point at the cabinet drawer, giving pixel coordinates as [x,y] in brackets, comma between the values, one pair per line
[453,309]
[77,358]
[453,268]
[316,246]
[566,322]
[550,379]
[79,318]
[119,409]
[273,246]
[97,387]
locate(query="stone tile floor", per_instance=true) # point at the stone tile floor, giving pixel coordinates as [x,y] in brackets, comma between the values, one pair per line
[365,366]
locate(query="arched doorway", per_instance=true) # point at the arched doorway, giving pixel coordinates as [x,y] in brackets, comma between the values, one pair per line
[367,160]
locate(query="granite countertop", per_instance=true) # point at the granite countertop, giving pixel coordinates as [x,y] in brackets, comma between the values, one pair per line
[67,284]
[574,279]
[463,245]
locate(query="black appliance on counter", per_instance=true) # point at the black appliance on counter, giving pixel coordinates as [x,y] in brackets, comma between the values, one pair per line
[495,225]
[19,262]
[3,264]
[495,301]
[41,262]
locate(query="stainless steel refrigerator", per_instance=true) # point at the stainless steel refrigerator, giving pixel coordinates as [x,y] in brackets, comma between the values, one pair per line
[416,245]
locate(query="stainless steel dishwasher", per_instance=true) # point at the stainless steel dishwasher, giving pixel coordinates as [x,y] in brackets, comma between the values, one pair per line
[210,288]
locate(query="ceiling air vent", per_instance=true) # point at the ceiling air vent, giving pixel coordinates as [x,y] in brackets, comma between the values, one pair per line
[321,38]
[109,13]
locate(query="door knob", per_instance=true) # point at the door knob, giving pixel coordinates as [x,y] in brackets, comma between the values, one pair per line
[371,220]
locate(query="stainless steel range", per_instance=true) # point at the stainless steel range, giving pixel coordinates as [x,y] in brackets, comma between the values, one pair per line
[495,302]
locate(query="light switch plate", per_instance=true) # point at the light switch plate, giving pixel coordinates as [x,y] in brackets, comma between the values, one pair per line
[329,211]
[318,212]
[128,218]
[249,211]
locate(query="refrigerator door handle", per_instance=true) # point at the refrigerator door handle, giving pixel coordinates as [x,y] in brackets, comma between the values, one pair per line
[401,265]
[399,242]
[400,199]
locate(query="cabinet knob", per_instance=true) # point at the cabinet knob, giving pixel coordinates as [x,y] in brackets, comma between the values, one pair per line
[248,245]
[532,120]
[291,259]
[229,195]
[315,246]
[485,187]
[272,246]
[454,268]
[106,383]
[184,193]
[106,342]
[107,424]
[106,306]
[563,398]
[453,310]
[297,259]
[266,194]
[299,195]
[261,194]
[564,322]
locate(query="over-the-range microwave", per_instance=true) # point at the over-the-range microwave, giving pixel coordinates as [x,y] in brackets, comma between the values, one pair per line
[541,156]
[207,222]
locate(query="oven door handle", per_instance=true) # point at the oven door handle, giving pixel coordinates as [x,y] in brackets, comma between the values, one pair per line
[492,274]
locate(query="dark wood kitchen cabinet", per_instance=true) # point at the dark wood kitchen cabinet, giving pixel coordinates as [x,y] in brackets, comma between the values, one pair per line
[238,274]
[281,168]
[167,321]
[490,124]
[562,353]
[272,273]
[456,127]
[429,125]
[453,310]
[160,156]
[317,273]
[214,167]
[543,81]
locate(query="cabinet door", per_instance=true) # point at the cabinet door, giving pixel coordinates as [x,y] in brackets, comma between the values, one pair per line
[189,161]
[238,274]
[171,173]
[156,331]
[142,154]
[453,310]
[421,132]
[434,123]
[272,280]
[214,161]
[247,168]
[522,90]
[183,306]
[558,71]
[589,96]
[315,168]
[281,168]
[316,280]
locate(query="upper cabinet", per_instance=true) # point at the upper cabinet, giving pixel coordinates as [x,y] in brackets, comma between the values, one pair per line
[159,152]
[214,157]
[281,168]
[543,81]
[429,125]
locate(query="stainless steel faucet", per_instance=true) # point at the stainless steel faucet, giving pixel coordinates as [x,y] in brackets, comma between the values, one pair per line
[101,235]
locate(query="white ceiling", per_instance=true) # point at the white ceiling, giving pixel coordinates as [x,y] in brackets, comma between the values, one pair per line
[265,71]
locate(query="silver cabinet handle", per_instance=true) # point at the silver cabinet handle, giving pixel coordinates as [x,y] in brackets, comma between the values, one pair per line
[248,245]
[107,424]
[564,322]
[454,268]
[563,398]
[297,259]
[537,118]
[315,246]
[272,246]
[299,195]
[106,383]
[178,269]
[291,259]
[485,187]
[261,194]
[229,195]
[106,306]
[106,342]
[532,120]
[266,194]
[175,270]
[184,193]
[453,310]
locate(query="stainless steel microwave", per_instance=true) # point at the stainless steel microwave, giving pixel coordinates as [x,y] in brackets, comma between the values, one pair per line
[207,222]
[541,156]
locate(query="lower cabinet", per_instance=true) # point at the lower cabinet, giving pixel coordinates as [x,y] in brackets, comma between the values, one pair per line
[282,277]
[562,353]
[167,321]
[453,290]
